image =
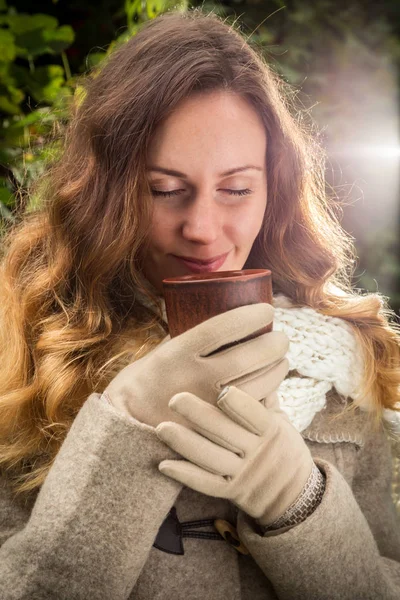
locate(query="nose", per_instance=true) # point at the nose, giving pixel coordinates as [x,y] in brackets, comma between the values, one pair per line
[202,221]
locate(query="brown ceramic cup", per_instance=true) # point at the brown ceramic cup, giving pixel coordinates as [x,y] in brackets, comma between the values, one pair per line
[192,299]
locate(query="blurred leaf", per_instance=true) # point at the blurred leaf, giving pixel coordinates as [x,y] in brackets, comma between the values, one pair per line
[34,117]
[22,23]
[7,46]
[132,8]
[11,136]
[59,39]
[154,7]
[8,155]
[39,34]
[31,44]
[94,58]
[6,195]
[44,84]
[21,130]
[10,99]
[3,5]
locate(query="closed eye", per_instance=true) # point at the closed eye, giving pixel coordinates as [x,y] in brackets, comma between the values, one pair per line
[166,194]
[170,193]
[244,192]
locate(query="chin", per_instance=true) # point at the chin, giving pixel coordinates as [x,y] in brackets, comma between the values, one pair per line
[237,267]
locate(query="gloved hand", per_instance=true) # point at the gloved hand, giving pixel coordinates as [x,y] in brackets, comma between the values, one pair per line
[239,450]
[186,363]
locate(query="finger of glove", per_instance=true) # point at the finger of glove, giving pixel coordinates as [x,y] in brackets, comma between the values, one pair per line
[226,328]
[194,477]
[213,424]
[271,401]
[250,358]
[244,410]
[262,383]
[199,450]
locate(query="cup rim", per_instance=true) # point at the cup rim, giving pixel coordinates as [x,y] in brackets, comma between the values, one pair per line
[214,276]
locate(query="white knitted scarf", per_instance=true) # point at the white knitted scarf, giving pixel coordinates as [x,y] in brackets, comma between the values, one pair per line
[326,353]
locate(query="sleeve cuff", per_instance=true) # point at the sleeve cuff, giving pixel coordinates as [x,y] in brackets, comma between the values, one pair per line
[308,500]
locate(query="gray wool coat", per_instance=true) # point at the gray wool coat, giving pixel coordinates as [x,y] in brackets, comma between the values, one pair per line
[89,534]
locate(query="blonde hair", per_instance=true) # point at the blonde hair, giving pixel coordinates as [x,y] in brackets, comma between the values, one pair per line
[74,301]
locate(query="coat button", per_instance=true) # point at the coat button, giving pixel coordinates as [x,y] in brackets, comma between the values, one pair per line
[230,535]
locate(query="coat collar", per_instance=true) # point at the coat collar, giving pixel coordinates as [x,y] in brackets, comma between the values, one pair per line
[337,423]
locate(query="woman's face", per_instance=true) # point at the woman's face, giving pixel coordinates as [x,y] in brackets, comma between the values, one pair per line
[206,168]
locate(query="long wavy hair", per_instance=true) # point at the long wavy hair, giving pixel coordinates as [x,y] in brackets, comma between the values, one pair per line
[75,306]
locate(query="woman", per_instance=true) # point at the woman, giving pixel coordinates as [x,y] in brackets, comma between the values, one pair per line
[122,458]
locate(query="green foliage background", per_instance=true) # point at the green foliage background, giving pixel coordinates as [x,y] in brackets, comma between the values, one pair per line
[341,58]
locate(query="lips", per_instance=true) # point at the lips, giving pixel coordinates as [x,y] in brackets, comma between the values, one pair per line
[197,265]
[203,261]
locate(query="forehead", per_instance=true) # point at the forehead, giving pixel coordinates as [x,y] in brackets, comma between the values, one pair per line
[219,127]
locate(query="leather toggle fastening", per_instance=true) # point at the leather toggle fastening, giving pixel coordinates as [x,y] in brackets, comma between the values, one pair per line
[230,535]
[171,533]
[169,536]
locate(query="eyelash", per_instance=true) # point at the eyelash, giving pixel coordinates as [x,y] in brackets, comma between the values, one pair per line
[244,192]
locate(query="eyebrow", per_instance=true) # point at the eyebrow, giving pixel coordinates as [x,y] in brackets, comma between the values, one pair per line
[174,173]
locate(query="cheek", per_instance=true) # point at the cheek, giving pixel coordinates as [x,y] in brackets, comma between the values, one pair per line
[162,228]
[246,224]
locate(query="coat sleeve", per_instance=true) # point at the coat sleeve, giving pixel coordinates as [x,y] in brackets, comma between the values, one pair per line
[341,550]
[96,516]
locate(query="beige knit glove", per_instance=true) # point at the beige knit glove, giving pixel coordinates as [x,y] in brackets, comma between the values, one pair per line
[240,450]
[186,363]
